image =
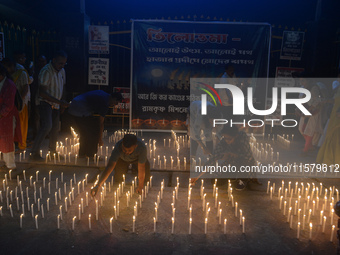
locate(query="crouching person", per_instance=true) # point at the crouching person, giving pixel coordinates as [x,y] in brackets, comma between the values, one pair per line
[129,150]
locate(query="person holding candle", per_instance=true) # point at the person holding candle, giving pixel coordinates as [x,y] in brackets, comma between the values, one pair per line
[84,110]
[129,150]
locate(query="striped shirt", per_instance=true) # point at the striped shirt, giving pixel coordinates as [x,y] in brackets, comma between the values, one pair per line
[53,82]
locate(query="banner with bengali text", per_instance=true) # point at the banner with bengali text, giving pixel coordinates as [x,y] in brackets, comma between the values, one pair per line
[166,54]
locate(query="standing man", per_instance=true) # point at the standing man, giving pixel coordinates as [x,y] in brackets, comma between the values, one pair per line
[52,79]
[90,127]
[129,150]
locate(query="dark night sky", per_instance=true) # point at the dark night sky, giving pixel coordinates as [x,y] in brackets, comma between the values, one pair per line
[287,12]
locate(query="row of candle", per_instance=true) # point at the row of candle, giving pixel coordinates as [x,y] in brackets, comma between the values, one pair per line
[37,202]
[311,211]
[284,141]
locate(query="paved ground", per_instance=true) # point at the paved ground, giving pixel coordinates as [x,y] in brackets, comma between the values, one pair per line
[266,228]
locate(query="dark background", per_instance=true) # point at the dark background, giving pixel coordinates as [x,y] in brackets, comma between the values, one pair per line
[64,23]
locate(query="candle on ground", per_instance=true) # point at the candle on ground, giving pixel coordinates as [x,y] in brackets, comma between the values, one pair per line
[21,215]
[73,221]
[111,219]
[36,221]
[332,233]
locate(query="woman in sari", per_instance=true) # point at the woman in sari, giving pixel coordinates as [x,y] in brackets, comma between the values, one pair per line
[8,117]
[329,152]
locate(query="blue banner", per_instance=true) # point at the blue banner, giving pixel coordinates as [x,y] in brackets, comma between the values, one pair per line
[166,54]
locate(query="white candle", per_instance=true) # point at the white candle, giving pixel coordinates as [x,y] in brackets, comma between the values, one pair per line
[73,221]
[42,211]
[225,226]
[298,231]
[133,223]
[206,226]
[58,222]
[243,225]
[111,219]
[240,217]
[235,209]
[96,209]
[310,230]
[36,221]
[173,225]
[154,224]
[332,233]
[21,215]
[324,224]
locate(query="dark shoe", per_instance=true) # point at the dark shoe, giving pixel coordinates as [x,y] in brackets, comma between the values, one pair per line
[240,185]
[36,157]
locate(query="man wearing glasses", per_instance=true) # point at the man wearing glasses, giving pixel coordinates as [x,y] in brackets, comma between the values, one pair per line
[51,81]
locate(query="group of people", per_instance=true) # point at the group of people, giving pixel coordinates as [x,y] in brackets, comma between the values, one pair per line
[321,130]
[46,93]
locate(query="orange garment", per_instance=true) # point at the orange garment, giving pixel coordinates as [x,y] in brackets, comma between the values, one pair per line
[23,116]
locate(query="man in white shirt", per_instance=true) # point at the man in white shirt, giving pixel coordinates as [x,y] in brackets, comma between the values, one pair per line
[52,79]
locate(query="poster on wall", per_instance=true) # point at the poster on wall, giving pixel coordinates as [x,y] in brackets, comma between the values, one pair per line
[284,76]
[292,45]
[2,46]
[124,106]
[166,54]
[99,40]
[98,71]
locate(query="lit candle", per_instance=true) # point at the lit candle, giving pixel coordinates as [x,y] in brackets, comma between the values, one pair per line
[73,221]
[225,226]
[21,215]
[42,211]
[310,230]
[240,217]
[90,222]
[36,221]
[96,209]
[289,213]
[332,233]
[220,217]
[324,224]
[243,225]
[235,209]
[133,223]
[111,219]
[206,226]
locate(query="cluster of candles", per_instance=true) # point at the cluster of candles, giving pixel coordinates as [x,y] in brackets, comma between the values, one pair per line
[62,195]
[306,205]
[262,152]
[174,162]
[31,197]
[284,140]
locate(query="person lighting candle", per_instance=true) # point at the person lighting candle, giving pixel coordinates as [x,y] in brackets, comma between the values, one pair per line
[129,150]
